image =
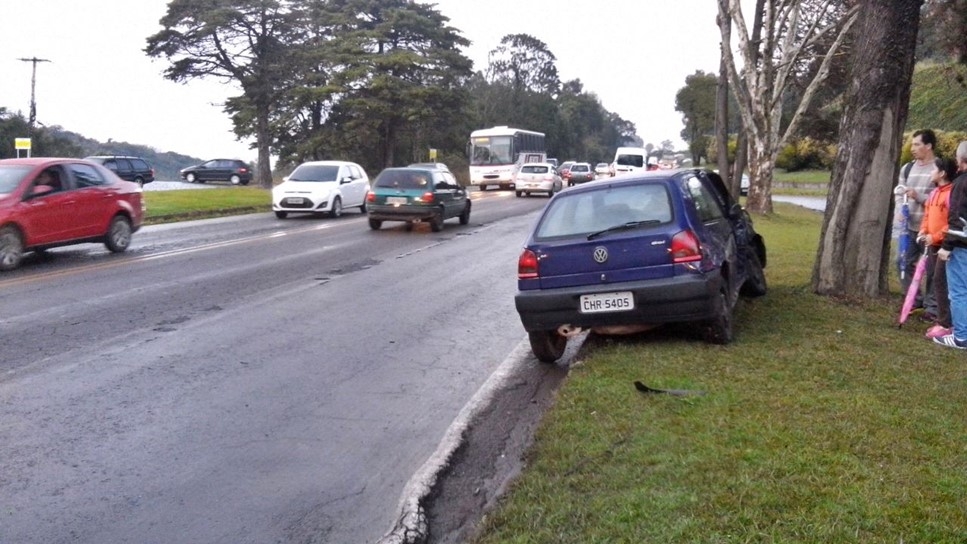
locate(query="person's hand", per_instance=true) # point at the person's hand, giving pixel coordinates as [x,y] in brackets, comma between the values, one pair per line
[943,254]
[912,194]
[922,238]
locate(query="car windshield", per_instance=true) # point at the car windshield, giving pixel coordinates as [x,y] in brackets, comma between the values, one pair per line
[584,213]
[403,179]
[315,172]
[631,160]
[10,177]
[533,169]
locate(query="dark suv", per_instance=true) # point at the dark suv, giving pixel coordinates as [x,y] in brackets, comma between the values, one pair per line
[133,169]
[233,171]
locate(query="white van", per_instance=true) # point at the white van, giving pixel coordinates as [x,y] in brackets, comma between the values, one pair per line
[628,160]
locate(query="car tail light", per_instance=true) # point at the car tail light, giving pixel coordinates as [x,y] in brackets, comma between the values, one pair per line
[686,247]
[527,265]
[370,196]
[427,197]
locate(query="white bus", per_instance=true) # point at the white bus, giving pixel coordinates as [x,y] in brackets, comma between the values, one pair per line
[496,153]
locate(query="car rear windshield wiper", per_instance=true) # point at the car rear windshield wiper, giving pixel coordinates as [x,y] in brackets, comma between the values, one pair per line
[624,226]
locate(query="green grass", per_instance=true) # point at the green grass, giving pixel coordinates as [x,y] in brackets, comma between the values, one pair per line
[179,205]
[822,423]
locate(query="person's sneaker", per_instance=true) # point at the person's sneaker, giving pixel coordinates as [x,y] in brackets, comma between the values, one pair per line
[937,331]
[951,342]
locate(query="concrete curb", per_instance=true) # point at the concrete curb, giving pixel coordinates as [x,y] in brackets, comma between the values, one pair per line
[411,522]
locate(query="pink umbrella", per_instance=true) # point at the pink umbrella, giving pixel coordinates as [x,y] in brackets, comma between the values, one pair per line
[913,289]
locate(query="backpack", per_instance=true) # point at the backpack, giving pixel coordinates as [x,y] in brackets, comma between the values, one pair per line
[906,171]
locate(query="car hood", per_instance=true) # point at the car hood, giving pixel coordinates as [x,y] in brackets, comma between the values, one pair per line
[305,186]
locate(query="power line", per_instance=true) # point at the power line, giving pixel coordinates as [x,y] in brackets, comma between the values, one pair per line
[33,86]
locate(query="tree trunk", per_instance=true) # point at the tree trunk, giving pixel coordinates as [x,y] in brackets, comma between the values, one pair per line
[722,108]
[263,135]
[854,249]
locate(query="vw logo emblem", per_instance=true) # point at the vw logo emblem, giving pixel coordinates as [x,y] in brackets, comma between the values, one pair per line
[600,255]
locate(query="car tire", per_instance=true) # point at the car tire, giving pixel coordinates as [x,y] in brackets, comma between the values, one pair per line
[190,178]
[718,330]
[11,248]
[548,346]
[244,182]
[436,222]
[520,194]
[336,210]
[140,181]
[465,214]
[118,236]
[408,227]
[375,224]
[755,284]
[281,215]
[362,207]
[235,179]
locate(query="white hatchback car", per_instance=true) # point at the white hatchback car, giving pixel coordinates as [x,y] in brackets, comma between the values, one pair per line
[321,187]
[537,177]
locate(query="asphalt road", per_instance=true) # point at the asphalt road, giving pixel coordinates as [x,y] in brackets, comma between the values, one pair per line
[246,379]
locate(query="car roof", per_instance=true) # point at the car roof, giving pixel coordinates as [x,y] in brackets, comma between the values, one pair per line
[322,163]
[538,164]
[34,161]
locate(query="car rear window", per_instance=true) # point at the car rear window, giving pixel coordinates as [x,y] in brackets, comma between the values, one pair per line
[579,214]
[531,169]
[403,179]
[315,172]
[579,168]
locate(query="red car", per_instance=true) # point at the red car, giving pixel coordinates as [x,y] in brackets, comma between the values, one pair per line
[46,202]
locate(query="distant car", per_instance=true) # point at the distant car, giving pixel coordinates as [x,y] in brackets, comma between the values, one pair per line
[233,171]
[628,160]
[553,161]
[417,194]
[601,170]
[634,251]
[127,168]
[537,177]
[564,168]
[580,172]
[46,202]
[321,187]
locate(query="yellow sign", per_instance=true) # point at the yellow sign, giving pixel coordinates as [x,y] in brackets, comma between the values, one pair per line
[432,155]
[21,143]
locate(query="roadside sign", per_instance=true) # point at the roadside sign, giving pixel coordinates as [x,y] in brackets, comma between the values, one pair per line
[22,143]
[432,155]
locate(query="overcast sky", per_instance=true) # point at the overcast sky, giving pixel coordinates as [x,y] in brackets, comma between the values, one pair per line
[633,54]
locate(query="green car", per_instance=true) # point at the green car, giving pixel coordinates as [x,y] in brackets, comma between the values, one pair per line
[415,194]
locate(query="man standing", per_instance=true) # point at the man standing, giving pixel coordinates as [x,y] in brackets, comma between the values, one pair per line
[916,177]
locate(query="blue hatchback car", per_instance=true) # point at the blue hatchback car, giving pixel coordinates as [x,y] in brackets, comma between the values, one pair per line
[633,252]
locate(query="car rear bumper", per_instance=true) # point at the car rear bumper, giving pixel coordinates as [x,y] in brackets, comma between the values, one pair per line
[394,213]
[678,299]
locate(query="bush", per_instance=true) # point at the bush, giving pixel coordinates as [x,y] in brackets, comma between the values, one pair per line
[806,154]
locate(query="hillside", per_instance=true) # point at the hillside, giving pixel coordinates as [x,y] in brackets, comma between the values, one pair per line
[166,165]
[938,97]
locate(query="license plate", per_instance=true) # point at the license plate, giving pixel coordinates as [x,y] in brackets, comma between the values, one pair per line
[607,302]
[293,200]
[396,200]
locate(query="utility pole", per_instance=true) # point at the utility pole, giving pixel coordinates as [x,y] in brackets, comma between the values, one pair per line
[33,85]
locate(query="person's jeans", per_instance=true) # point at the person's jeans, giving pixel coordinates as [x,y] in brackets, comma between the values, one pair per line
[940,295]
[957,291]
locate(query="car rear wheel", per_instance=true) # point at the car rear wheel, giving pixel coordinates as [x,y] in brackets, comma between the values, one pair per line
[281,215]
[436,223]
[11,248]
[118,234]
[190,178]
[520,194]
[465,214]
[336,210]
[235,179]
[718,330]
[548,346]
[140,181]
[362,207]
[375,224]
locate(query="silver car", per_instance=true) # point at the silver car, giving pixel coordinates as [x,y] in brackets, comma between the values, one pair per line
[537,177]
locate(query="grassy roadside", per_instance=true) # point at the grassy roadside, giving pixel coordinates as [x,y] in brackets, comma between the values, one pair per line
[186,204]
[822,423]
